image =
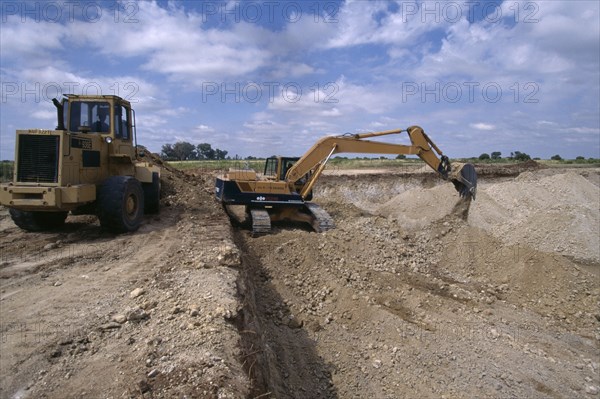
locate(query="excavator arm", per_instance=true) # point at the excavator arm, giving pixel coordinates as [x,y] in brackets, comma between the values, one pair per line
[315,159]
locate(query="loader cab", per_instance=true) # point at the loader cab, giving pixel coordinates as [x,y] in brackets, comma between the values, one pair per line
[110,116]
[277,167]
[89,117]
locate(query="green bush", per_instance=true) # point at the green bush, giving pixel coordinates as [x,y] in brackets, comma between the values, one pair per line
[6,170]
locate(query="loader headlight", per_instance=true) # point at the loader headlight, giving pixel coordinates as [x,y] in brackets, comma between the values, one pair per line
[108,139]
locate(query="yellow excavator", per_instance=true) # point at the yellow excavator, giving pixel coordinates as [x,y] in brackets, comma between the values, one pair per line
[284,191]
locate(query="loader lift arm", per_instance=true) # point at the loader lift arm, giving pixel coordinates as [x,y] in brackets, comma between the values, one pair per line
[315,159]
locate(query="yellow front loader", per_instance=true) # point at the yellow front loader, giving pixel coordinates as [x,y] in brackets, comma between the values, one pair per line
[87,165]
[284,191]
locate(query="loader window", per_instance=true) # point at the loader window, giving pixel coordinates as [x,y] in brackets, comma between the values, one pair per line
[122,122]
[79,116]
[66,112]
[88,116]
[100,117]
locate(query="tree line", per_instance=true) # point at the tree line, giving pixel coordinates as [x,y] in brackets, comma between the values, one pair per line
[521,156]
[517,156]
[184,151]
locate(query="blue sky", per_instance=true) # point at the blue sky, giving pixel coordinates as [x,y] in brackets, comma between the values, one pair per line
[264,78]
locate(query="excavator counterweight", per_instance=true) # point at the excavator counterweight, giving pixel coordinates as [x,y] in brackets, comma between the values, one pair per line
[284,190]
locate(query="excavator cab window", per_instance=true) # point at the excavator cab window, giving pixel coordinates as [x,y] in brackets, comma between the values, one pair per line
[287,163]
[271,167]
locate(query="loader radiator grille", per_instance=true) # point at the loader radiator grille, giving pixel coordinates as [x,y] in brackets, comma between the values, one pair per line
[38,158]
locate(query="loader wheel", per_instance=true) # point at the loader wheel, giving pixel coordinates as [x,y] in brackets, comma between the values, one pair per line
[152,194]
[37,221]
[121,204]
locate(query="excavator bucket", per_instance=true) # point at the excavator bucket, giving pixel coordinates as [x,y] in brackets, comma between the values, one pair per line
[464,178]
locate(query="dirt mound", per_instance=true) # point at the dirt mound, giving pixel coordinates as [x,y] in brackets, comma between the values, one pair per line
[155,159]
[553,214]
[370,191]
[419,207]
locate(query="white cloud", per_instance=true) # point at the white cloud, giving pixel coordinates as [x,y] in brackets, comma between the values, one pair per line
[336,99]
[30,43]
[366,22]
[368,54]
[44,114]
[204,128]
[286,70]
[482,126]
[585,130]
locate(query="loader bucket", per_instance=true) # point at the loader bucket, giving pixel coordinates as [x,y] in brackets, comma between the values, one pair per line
[464,178]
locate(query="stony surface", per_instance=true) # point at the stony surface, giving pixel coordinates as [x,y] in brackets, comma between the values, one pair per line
[93,316]
[377,308]
[555,214]
[444,310]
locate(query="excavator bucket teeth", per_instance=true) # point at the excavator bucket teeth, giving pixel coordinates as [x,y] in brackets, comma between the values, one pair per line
[465,181]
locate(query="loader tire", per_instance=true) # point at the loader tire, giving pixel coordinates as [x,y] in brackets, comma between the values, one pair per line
[152,194]
[37,221]
[121,204]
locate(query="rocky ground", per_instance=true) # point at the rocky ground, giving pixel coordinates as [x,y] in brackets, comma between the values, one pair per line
[414,294]
[85,313]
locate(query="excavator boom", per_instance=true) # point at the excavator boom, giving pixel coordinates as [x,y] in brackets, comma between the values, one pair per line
[464,177]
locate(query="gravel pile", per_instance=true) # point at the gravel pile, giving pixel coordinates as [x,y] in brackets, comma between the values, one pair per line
[558,213]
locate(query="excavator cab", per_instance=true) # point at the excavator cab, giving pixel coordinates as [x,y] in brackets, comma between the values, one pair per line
[277,167]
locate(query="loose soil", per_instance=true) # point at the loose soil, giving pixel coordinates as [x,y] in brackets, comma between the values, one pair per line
[414,294]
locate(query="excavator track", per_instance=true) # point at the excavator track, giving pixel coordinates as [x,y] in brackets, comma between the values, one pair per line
[323,220]
[261,222]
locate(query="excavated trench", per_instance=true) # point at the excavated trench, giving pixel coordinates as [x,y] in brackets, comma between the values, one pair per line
[406,296]
[278,355]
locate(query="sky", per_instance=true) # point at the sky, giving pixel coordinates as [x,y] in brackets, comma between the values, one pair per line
[270,78]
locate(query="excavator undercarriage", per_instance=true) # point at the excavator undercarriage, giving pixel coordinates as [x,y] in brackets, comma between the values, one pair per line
[310,213]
